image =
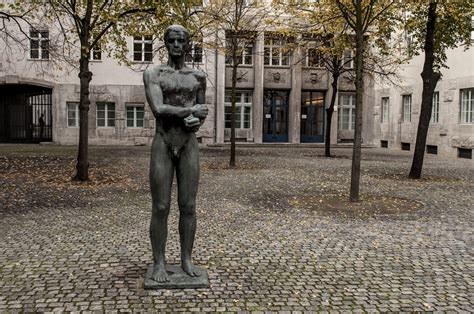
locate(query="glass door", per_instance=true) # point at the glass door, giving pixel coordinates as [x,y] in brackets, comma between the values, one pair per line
[312,117]
[275,116]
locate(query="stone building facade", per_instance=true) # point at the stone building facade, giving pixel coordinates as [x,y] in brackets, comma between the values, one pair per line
[281,97]
[451,130]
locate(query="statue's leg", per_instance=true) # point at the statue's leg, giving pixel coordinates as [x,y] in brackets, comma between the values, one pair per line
[187,173]
[161,180]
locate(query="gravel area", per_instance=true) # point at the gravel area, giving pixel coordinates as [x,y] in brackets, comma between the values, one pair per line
[276,233]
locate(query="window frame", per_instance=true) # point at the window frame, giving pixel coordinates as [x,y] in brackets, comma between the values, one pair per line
[348,53]
[94,52]
[435,108]
[240,106]
[40,39]
[269,47]
[191,54]
[306,59]
[351,107]
[135,118]
[243,46]
[385,110]
[466,106]
[406,115]
[106,114]
[76,114]
[143,42]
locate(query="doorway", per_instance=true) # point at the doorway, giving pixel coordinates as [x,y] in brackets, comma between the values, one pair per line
[312,117]
[25,114]
[275,116]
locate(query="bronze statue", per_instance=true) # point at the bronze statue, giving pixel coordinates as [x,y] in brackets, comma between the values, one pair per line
[176,95]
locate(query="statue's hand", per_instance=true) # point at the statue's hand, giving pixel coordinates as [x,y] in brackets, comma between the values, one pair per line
[192,123]
[200,111]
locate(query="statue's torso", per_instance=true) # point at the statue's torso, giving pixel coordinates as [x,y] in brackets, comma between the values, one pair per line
[179,88]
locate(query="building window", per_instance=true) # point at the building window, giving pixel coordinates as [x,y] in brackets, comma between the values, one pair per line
[432,149]
[472,28]
[243,110]
[465,153]
[274,52]
[72,114]
[135,116]
[410,40]
[312,58]
[39,44]
[435,108]
[195,53]
[348,59]
[467,105]
[143,48]
[405,146]
[244,51]
[385,109]
[95,54]
[105,114]
[384,144]
[406,100]
[347,112]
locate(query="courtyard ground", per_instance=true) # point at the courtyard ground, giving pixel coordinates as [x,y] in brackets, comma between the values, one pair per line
[276,234]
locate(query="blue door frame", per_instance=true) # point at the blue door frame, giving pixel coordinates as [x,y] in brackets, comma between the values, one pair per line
[312,117]
[275,115]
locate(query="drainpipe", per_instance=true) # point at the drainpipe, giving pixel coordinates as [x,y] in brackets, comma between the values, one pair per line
[215,85]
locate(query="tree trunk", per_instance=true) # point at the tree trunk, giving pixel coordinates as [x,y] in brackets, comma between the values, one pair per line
[330,109]
[430,79]
[356,151]
[85,76]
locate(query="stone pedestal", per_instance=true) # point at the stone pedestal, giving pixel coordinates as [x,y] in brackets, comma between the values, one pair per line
[178,279]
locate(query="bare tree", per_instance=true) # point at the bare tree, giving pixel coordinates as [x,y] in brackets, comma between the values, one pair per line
[242,20]
[436,26]
[85,25]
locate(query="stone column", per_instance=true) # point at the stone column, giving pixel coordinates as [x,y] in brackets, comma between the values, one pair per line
[258,90]
[220,88]
[294,115]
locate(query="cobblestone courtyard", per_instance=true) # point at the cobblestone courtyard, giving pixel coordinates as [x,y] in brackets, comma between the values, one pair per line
[265,233]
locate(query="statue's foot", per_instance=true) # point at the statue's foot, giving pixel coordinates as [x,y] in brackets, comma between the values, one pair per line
[159,274]
[190,269]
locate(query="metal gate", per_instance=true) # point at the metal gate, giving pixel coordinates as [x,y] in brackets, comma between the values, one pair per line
[25,114]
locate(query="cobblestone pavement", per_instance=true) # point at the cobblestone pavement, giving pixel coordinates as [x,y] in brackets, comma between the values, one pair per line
[262,233]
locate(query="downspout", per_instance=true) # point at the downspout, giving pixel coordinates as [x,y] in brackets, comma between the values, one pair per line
[215,86]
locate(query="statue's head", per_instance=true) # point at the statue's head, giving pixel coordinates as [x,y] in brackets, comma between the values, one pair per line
[176,40]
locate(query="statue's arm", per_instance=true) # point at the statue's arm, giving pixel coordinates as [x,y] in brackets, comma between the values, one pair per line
[202,110]
[154,96]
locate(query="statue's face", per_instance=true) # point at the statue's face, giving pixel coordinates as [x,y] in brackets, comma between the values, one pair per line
[176,43]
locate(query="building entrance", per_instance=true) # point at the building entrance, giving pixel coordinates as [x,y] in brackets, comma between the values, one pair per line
[275,116]
[25,114]
[312,117]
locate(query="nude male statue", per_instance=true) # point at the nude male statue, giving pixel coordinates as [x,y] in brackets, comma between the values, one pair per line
[176,95]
